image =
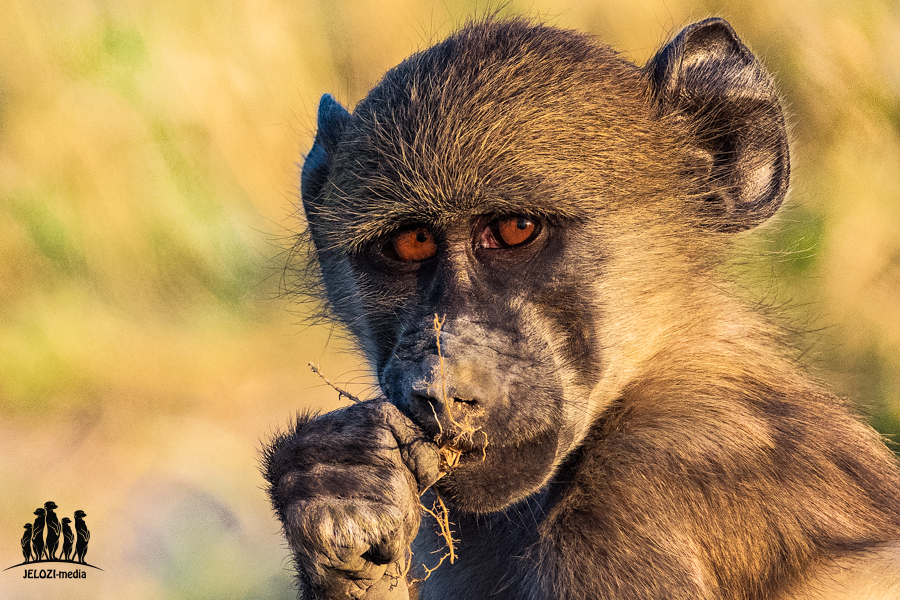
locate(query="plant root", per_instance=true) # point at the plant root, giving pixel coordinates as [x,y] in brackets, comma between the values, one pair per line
[450,456]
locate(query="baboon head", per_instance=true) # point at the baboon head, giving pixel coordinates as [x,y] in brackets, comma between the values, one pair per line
[559,209]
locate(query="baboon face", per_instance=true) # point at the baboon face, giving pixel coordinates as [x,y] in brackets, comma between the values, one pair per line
[553,207]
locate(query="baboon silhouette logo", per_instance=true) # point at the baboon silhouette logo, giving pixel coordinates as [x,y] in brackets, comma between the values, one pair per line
[41,547]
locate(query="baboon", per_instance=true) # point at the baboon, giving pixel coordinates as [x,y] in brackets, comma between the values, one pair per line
[52,530]
[84,536]
[525,233]
[26,543]
[68,538]
[37,534]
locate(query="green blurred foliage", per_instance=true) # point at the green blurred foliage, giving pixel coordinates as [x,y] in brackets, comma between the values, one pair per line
[148,158]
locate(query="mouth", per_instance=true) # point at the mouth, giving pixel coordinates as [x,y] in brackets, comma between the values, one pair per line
[471,446]
[489,477]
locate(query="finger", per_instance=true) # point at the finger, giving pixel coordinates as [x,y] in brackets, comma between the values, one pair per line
[390,587]
[358,570]
[419,453]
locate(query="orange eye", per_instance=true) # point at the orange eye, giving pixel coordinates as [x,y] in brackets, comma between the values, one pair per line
[516,230]
[414,245]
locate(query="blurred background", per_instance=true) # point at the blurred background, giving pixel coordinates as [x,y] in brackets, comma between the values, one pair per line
[148,173]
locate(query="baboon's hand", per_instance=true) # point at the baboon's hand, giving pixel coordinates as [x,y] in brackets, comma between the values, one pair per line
[346,487]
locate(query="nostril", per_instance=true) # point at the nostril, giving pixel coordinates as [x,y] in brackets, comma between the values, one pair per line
[423,398]
[426,399]
[470,401]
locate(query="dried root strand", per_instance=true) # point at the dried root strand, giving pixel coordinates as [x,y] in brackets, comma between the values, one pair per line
[440,514]
[449,459]
[340,392]
[467,430]
[428,571]
[450,456]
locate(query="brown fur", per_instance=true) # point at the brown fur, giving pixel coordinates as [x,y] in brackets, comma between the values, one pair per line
[646,435]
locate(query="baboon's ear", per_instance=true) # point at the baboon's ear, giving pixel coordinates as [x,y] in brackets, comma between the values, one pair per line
[708,77]
[332,120]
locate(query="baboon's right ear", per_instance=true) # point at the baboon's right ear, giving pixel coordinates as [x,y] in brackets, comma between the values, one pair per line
[332,120]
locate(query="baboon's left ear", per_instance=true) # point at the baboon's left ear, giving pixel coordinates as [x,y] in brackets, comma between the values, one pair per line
[708,77]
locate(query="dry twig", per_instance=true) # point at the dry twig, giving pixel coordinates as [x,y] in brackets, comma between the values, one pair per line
[340,392]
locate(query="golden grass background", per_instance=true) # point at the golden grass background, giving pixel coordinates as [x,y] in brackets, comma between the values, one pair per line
[148,158]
